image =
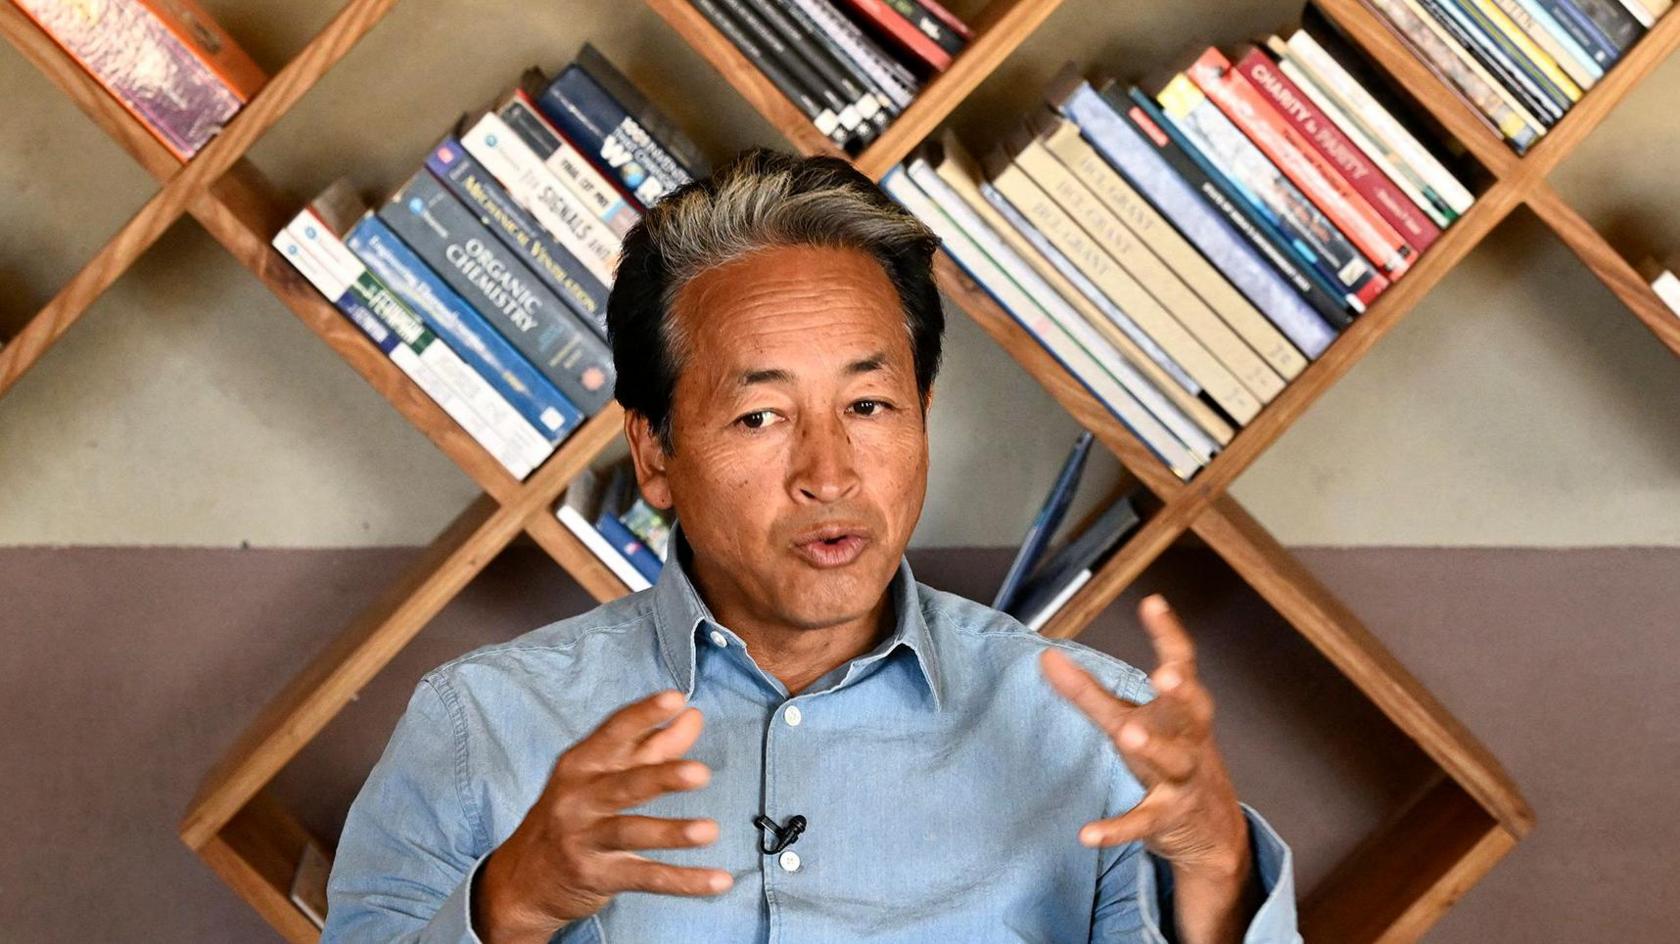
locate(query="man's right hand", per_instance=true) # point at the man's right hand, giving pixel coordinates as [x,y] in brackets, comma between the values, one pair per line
[574,850]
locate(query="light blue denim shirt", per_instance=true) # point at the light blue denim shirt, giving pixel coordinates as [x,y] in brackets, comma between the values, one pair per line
[942,780]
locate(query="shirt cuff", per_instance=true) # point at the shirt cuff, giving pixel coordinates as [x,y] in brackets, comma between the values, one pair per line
[453,922]
[1274,922]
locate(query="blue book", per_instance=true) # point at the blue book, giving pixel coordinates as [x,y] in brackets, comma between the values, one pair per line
[1482,47]
[1543,18]
[1583,30]
[464,329]
[455,244]
[608,134]
[1044,525]
[1080,553]
[640,557]
[561,271]
[1245,265]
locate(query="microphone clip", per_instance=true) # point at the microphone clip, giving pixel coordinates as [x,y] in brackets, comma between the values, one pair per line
[785,835]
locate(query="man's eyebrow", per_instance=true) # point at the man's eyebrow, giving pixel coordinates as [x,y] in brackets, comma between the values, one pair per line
[764,375]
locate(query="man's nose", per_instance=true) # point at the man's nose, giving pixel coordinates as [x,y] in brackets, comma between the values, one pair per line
[824,466]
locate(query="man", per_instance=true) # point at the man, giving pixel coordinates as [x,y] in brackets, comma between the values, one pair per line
[787,738]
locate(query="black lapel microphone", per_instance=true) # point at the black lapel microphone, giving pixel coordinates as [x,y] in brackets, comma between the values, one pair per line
[784,835]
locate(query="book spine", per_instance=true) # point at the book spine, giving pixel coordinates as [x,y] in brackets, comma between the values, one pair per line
[889,23]
[602,549]
[422,375]
[969,218]
[452,242]
[1265,187]
[667,133]
[1613,21]
[1455,65]
[1639,12]
[561,271]
[819,53]
[1351,163]
[1485,42]
[136,58]
[1526,48]
[472,387]
[947,17]
[602,129]
[1125,203]
[1584,31]
[645,561]
[1254,221]
[1156,277]
[533,186]
[598,193]
[891,78]
[875,103]
[1358,102]
[1472,48]
[1074,359]
[822,118]
[466,330]
[1228,244]
[928,25]
[1549,36]
[600,241]
[794,65]
[1389,160]
[210,44]
[1301,163]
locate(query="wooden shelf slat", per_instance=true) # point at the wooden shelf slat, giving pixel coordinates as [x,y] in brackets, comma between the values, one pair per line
[579,561]
[1603,261]
[255,854]
[1336,632]
[1404,877]
[1110,580]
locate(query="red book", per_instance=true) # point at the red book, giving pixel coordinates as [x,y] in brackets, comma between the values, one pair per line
[886,20]
[1299,110]
[1301,163]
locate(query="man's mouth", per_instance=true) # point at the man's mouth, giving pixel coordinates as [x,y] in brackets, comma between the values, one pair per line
[831,545]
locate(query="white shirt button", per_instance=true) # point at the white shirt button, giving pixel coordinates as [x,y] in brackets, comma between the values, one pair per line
[790,860]
[718,639]
[792,716]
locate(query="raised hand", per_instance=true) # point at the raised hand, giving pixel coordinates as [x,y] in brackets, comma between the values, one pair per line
[1189,813]
[575,850]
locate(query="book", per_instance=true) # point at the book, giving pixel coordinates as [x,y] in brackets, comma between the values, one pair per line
[790,47]
[1485,44]
[1662,281]
[1531,42]
[613,136]
[888,24]
[1310,171]
[479,344]
[309,882]
[667,134]
[1049,584]
[211,45]
[578,509]
[770,56]
[947,174]
[145,65]
[829,63]
[453,243]
[1147,266]
[1350,162]
[1613,20]
[1045,523]
[890,77]
[1258,181]
[600,194]
[1584,31]
[1020,306]
[561,271]
[1133,155]
[1053,278]
[937,28]
[1037,620]
[1544,28]
[617,493]
[649,524]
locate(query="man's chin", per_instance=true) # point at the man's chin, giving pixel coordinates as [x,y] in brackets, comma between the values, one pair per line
[833,597]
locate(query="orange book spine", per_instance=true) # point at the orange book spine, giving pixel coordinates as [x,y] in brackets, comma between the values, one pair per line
[200,32]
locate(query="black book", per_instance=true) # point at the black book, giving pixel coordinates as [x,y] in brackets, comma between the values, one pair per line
[830,62]
[1082,552]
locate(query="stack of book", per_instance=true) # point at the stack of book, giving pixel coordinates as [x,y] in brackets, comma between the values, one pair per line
[849,65]
[485,276]
[1186,253]
[602,508]
[165,61]
[1039,583]
[1663,281]
[1520,64]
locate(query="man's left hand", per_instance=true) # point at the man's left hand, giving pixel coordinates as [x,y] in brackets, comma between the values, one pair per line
[1189,814]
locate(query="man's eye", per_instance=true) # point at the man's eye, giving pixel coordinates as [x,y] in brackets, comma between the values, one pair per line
[757,419]
[870,407]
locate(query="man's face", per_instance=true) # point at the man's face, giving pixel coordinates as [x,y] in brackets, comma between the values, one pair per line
[800,459]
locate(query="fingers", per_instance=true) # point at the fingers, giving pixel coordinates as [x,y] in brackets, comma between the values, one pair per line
[1155,757]
[671,741]
[1173,648]
[1075,684]
[616,737]
[635,873]
[1139,822]
[652,832]
[634,786]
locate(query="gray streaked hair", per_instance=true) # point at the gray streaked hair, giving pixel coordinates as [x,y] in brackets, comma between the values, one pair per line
[759,200]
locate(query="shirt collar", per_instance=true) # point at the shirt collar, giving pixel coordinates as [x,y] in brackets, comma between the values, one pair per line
[678,612]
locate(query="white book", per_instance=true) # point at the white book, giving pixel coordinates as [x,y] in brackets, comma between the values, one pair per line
[576,508]
[1059,600]
[1667,287]
[1021,306]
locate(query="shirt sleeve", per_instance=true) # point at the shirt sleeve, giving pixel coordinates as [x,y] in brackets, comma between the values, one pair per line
[412,841]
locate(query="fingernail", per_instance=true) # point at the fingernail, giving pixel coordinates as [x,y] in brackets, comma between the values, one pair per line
[1156,603]
[1090,836]
[1134,735]
[698,831]
[695,773]
[1166,680]
[669,699]
[721,881]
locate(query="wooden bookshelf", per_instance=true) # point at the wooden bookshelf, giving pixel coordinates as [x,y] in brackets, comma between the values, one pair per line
[1391,888]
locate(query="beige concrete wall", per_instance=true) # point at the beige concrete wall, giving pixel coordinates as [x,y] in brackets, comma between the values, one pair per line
[1518,405]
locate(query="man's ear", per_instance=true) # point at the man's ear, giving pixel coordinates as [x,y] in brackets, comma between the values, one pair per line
[649,457]
[927,400]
